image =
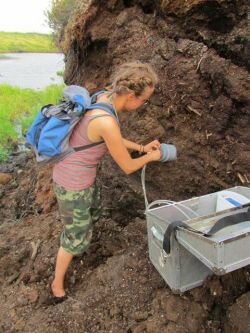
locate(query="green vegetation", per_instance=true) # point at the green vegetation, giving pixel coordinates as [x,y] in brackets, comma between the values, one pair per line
[26,42]
[4,153]
[60,73]
[20,106]
[59,15]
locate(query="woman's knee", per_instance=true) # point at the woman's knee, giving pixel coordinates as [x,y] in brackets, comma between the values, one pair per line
[76,242]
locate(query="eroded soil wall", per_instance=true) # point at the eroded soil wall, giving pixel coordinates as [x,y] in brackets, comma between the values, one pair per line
[200,51]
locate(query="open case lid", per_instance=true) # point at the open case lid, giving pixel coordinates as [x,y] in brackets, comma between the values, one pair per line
[226,250]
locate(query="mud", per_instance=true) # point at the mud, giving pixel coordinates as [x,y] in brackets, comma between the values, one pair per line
[200,51]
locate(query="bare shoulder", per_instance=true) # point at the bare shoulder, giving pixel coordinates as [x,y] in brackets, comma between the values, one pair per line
[96,112]
[102,119]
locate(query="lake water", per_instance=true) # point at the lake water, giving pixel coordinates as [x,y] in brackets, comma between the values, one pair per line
[31,70]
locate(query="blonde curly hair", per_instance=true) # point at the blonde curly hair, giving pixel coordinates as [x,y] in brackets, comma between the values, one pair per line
[135,77]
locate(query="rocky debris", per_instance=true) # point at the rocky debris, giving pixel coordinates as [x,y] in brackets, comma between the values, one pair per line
[5,178]
[238,315]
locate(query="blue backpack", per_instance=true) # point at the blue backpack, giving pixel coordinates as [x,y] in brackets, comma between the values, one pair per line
[49,134]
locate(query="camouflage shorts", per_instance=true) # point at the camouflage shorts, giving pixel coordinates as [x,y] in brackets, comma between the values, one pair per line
[78,210]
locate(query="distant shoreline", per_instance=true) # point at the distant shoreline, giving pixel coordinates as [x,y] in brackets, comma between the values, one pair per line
[24,33]
[5,55]
[17,52]
[30,42]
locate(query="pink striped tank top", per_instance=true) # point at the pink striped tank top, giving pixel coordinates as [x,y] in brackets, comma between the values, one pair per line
[78,170]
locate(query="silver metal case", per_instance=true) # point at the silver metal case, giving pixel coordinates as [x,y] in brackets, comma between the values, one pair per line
[194,256]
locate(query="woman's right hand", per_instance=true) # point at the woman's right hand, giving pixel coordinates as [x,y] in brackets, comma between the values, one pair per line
[154,155]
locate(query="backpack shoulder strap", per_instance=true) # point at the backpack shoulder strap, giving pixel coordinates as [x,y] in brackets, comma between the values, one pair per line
[111,112]
[106,107]
[96,94]
[79,148]
[102,105]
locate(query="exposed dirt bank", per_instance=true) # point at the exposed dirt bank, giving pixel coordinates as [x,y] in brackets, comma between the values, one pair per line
[199,49]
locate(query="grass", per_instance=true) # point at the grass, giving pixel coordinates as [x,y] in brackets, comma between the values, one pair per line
[20,106]
[60,73]
[26,42]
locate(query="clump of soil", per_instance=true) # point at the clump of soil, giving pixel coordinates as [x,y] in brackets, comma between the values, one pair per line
[201,105]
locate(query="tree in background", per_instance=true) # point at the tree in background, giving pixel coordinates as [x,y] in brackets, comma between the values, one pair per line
[58,17]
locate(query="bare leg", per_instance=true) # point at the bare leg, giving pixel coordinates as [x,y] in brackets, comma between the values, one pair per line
[62,263]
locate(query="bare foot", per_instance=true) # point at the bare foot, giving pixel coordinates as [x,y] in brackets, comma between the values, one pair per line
[57,292]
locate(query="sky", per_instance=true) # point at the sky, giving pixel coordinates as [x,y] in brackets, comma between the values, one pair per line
[24,15]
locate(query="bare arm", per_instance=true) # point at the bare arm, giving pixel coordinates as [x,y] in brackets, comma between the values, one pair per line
[107,129]
[142,148]
[132,145]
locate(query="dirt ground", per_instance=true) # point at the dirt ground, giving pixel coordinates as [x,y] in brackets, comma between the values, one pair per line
[200,51]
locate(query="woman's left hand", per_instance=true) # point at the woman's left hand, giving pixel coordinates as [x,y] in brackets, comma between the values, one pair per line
[152,146]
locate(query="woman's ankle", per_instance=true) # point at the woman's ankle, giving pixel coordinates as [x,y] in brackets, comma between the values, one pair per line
[57,290]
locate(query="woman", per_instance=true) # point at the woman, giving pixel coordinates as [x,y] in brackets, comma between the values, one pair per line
[74,176]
